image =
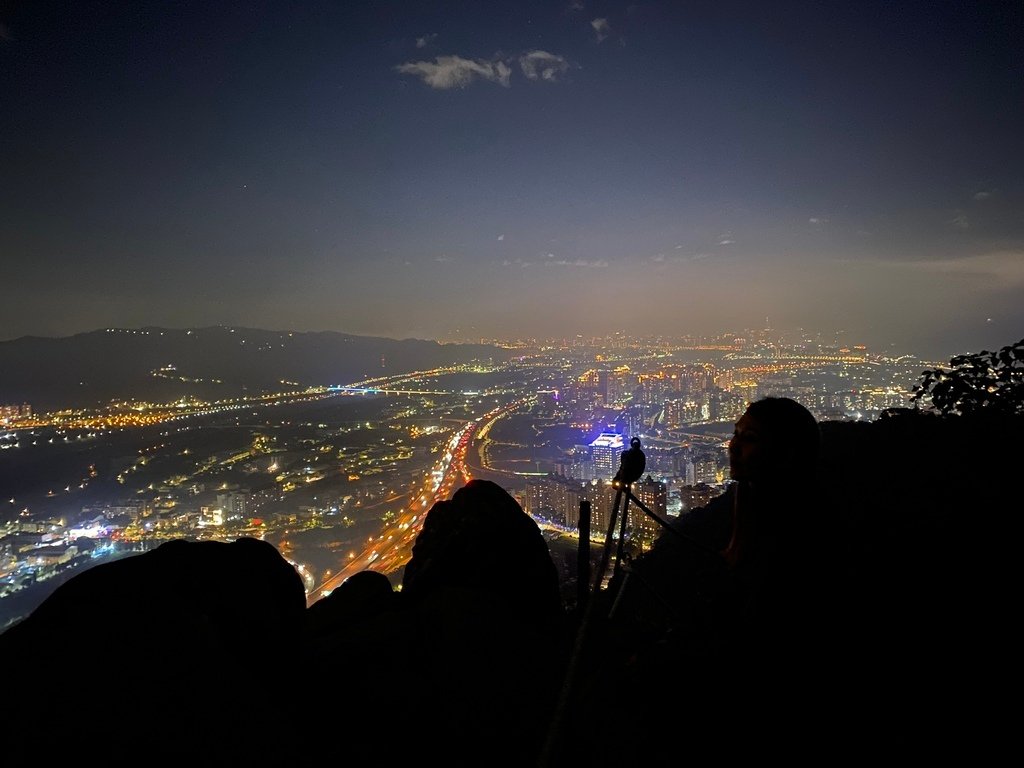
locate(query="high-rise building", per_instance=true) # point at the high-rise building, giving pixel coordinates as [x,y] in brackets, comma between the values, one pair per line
[602,498]
[694,496]
[606,451]
[725,406]
[554,497]
[582,467]
[232,504]
[708,470]
[662,462]
[682,411]
[653,495]
[603,379]
[634,420]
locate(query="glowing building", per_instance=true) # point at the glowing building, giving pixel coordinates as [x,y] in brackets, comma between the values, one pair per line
[653,495]
[606,450]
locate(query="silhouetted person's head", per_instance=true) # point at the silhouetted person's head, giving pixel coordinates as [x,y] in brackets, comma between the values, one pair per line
[775,441]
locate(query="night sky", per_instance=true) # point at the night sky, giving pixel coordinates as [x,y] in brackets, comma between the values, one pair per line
[450,170]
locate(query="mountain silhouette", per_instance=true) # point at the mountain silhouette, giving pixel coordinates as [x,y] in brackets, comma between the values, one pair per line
[210,363]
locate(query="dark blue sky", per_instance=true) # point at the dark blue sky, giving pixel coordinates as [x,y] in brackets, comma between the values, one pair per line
[457,170]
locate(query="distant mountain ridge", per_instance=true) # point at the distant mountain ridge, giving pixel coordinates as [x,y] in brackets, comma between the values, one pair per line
[93,368]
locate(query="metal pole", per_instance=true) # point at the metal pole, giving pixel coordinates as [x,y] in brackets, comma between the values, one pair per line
[622,531]
[583,557]
[608,539]
[568,683]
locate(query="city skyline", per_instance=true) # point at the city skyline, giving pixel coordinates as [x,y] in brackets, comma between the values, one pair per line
[86,482]
[516,170]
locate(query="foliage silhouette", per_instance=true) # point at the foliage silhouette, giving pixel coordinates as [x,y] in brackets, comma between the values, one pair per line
[982,383]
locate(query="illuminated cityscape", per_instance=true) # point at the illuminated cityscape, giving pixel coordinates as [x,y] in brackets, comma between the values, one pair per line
[456,383]
[339,476]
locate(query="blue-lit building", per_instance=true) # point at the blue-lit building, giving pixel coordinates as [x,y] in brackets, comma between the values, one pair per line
[606,451]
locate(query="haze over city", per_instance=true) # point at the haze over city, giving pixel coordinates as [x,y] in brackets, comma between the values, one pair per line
[477,170]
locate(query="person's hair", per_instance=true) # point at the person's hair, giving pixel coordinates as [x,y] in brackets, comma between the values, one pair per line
[790,432]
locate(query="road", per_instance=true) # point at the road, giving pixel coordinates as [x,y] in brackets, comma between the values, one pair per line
[392,549]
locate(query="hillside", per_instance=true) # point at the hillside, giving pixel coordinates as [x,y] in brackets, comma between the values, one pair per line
[93,368]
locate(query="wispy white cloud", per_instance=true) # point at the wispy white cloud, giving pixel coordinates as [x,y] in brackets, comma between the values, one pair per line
[678,258]
[423,42]
[576,5]
[447,72]
[601,29]
[726,238]
[501,237]
[443,258]
[982,195]
[960,221]
[585,263]
[817,221]
[541,65]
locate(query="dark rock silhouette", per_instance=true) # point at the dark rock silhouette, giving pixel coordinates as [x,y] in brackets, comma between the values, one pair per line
[878,586]
[204,595]
[482,542]
[485,593]
[471,647]
[185,647]
[360,597]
